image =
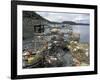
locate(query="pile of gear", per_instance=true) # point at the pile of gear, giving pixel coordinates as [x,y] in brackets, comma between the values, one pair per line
[58,54]
[80,52]
[54,53]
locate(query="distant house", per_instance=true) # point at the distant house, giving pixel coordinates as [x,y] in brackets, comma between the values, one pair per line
[33,23]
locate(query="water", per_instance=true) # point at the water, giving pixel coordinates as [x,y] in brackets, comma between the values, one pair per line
[84,31]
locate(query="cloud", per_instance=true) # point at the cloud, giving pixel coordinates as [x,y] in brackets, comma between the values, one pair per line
[82,18]
[60,17]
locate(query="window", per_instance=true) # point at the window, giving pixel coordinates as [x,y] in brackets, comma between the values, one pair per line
[39,28]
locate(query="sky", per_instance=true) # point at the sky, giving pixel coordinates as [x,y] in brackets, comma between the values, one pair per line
[60,17]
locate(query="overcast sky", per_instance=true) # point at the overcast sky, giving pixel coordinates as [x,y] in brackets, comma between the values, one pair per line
[60,17]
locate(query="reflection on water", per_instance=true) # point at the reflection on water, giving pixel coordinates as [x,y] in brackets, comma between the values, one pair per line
[84,31]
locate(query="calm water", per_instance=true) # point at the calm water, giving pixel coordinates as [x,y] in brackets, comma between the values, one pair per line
[84,31]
